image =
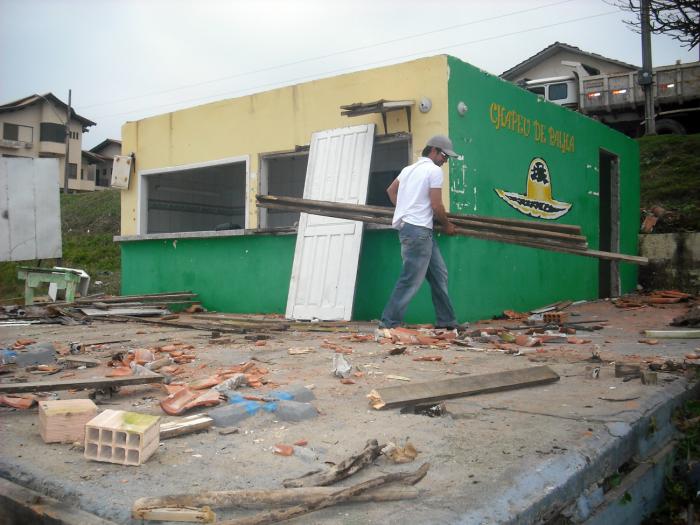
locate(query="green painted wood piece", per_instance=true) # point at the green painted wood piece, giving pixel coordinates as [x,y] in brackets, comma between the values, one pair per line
[33,277]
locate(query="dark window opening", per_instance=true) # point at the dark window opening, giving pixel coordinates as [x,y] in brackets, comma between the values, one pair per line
[197,199]
[389,157]
[285,175]
[537,90]
[50,132]
[72,171]
[609,224]
[558,91]
[10,131]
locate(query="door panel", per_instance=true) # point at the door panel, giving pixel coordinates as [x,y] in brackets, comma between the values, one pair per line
[328,249]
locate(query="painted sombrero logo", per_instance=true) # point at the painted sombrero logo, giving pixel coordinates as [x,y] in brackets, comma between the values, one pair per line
[538,202]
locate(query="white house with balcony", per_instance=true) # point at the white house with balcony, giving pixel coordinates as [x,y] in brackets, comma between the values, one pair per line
[35,127]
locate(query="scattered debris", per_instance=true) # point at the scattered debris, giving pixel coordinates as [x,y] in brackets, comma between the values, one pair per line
[283,450]
[341,367]
[340,471]
[690,318]
[20,402]
[399,454]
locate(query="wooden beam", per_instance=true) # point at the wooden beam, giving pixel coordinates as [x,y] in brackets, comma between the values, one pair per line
[388,212]
[260,498]
[69,384]
[433,391]
[530,242]
[185,425]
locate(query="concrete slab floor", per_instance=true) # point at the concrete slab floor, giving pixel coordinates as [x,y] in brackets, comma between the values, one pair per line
[515,456]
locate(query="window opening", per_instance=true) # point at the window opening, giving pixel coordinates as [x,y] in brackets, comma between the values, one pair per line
[389,156]
[283,174]
[50,132]
[558,91]
[205,198]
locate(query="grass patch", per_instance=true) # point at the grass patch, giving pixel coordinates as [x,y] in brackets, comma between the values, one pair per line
[670,178]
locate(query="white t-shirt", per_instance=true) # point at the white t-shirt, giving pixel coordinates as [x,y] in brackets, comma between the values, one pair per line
[413,200]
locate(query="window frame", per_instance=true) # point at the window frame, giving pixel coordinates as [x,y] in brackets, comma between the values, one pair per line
[142,189]
[566,91]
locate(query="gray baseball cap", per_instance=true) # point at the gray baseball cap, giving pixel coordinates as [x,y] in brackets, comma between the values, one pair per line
[442,142]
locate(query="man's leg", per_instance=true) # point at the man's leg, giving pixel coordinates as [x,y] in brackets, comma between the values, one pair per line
[437,278]
[416,250]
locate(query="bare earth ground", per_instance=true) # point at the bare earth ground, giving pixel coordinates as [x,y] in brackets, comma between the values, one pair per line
[494,458]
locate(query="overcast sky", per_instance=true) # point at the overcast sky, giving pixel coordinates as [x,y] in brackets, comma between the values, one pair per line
[129,59]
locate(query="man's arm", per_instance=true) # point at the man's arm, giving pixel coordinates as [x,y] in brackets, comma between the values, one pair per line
[439,211]
[393,191]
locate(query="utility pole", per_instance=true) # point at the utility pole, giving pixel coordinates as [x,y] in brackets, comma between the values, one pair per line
[67,160]
[646,75]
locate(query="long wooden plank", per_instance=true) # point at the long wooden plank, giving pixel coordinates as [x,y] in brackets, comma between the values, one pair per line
[420,393]
[386,211]
[537,235]
[69,384]
[522,228]
[551,246]
[265,498]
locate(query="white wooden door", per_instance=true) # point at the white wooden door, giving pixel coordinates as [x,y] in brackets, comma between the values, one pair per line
[328,249]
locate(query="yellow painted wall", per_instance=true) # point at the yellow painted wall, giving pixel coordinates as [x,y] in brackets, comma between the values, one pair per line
[279,120]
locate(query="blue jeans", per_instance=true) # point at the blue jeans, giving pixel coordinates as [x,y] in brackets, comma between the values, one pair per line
[421,260]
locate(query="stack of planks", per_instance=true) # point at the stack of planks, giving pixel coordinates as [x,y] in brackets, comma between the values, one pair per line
[563,238]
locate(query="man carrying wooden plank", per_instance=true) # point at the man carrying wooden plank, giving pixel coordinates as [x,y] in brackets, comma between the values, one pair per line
[417,195]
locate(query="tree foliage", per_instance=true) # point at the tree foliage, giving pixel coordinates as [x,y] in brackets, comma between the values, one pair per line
[679,19]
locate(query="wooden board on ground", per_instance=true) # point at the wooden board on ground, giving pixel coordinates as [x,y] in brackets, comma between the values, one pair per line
[185,425]
[421,393]
[69,384]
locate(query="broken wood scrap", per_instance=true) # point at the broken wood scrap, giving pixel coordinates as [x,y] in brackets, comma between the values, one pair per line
[340,496]
[70,384]
[260,498]
[673,334]
[75,361]
[173,324]
[342,470]
[136,298]
[185,425]
[182,513]
[420,393]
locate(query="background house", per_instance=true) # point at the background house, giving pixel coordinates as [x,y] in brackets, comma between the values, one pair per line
[199,168]
[97,162]
[35,127]
[547,63]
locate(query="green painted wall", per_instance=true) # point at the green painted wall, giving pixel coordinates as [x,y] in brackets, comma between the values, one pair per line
[243,274]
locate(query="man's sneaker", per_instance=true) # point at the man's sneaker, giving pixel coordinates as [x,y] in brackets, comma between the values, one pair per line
[461,327]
